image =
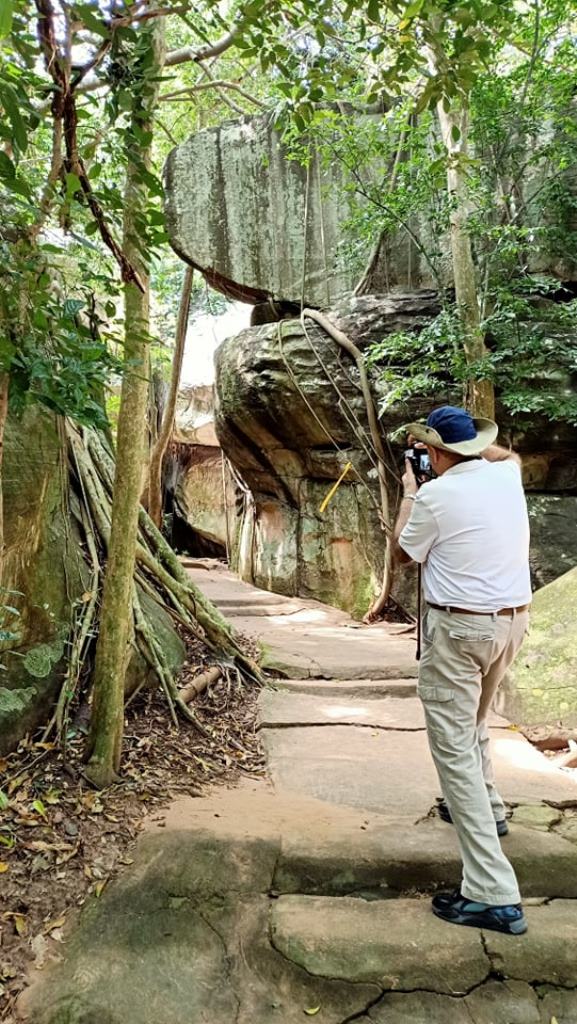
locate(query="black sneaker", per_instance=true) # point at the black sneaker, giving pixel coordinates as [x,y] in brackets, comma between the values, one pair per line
[445,815]
[457,909]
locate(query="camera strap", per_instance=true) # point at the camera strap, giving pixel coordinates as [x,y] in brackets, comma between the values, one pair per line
[419,607]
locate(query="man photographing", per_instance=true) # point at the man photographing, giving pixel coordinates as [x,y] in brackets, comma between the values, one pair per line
[469,529]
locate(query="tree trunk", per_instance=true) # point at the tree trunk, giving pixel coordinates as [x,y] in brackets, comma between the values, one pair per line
[480,396]
[158,452]
[115,634]
[4,393]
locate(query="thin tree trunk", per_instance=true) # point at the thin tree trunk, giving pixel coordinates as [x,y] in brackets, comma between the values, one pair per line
[480,396]
[115,635]
[4,393]
[159,450]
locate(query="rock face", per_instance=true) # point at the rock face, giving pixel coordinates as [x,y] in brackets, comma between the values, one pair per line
[541,687]
[289,433]
[290,416]
[205,496]
[44,573]
[194,419]
[254,221]
[263,228]
[198,478]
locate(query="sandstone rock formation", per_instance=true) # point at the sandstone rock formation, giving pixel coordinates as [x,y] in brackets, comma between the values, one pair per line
[252,220]
[290,416]
[197,478]
[263,228]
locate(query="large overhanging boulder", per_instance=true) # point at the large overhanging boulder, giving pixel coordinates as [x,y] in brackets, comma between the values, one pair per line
[264,228]
[258,225]
[542,685]
[290,415]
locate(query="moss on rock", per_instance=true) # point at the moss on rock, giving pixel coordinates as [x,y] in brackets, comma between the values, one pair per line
[542,684]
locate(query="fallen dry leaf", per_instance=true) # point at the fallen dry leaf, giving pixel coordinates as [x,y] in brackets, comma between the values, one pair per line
[20,924]
[58,923]
[39,948]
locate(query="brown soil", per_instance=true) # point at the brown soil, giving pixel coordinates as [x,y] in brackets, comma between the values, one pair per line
[61,841]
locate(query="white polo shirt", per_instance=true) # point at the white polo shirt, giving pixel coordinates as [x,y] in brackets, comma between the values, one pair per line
[470,528]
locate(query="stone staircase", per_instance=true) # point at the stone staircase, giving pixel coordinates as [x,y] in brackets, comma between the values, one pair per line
[308,893]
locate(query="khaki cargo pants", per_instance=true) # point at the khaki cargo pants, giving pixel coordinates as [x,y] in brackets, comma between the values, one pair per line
[463,660]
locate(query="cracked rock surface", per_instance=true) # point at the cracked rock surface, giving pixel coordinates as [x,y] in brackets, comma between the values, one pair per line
[310,891]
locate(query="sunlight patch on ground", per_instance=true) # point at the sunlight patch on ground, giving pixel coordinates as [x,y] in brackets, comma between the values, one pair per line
[305,615]
[522,755]
[344,711]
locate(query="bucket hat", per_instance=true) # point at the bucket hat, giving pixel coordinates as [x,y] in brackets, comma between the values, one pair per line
[455,430]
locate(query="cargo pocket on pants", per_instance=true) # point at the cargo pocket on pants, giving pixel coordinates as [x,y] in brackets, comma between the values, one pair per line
[435,694]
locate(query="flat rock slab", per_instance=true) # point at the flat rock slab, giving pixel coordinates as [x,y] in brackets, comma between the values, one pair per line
[404,714]
[401,945]
[249,838]
[395,944]
[183,962]
[365,688]
[294,648]
[307,639]
[546,951]
[392,772]
[495,1002]
[277,710]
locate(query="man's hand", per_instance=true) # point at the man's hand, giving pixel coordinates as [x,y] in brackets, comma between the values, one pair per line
[409,479]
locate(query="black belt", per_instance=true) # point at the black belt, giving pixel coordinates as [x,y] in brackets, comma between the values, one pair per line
[468,611]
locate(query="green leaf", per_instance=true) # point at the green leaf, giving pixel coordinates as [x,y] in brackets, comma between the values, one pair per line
[73,185]
[87,15]
[11,105]
[7,168]
[6,14]
[39,808]
[373,11]
[455,132]
[4,801]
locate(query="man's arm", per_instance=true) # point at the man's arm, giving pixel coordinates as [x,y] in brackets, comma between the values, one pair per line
[409,492]
[400,556]
[494,453]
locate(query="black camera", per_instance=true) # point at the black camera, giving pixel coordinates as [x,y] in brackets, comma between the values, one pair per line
[421,463]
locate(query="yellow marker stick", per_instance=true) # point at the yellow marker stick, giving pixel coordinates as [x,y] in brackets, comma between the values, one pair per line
[334,488]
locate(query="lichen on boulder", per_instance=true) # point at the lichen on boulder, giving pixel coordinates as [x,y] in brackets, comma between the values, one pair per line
[290,415]
[542,684]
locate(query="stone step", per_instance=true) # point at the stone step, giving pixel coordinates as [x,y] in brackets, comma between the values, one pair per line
[278,710]
[295,651]
[368,689]
[237,610]
[383,859]
[194,931]
[391,772]
[401,945]
[299,845]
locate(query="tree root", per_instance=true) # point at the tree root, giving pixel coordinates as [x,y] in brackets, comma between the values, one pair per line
[158,573]
[345,343]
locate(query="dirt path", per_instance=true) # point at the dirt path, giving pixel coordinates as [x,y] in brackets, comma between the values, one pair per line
[309,894]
